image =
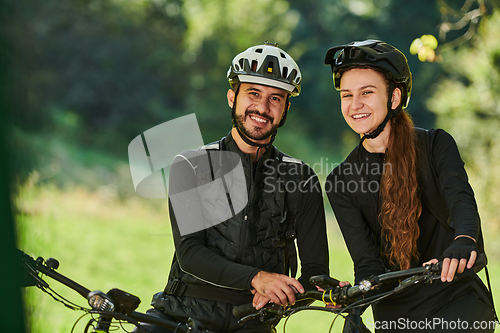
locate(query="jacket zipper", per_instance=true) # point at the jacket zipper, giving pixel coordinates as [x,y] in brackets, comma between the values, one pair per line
[244,226]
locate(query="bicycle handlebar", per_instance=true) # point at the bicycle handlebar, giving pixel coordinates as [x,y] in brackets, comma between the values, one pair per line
[244,310]
[126,303]
[348,294]
[38,265]
[432,268]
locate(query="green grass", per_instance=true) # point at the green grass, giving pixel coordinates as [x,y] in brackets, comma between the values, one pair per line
[99,242]
[103,243]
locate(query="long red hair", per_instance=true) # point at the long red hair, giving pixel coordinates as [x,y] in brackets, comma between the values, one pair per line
[399,192]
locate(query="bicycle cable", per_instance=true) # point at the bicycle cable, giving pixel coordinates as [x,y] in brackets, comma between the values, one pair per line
[76,322]
[303,308]
[63,300]
[136,324]
[368,301]
[119,316]
[333,321]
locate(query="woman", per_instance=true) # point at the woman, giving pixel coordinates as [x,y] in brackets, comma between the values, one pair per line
[395,193]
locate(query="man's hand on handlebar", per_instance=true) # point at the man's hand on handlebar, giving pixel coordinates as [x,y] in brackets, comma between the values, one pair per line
[259,301]
[277,288]
[333,305]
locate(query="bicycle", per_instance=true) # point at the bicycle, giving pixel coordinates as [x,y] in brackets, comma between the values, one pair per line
[351,298]
[120,306]
[105,308]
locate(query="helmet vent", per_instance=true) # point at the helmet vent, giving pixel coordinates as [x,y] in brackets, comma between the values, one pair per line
[353,53]
[379,50]
[254,65]
[282,55]
[241,63]
[285,72]
[258,51]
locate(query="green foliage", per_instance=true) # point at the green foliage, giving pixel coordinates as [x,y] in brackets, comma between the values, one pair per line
[424,47]
[98,73]
[99,242]
[466,102]
[105,62]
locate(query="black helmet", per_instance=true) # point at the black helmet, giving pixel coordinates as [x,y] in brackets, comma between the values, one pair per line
[268,65]
[372,53]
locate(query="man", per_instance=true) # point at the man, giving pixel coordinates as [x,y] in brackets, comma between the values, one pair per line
[235,233]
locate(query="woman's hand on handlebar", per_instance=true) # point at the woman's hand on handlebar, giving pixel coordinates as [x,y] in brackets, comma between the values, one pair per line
[278,288]
[452,266]
[461,253]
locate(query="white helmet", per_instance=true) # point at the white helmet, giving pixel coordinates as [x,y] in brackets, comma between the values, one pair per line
[267,65]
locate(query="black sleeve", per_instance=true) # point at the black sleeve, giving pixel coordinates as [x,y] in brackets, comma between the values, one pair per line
[193,254]
[454,184]
[358,236]
[311,231]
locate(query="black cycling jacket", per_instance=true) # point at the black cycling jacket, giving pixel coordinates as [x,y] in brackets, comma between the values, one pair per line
[229,254]
[353,192]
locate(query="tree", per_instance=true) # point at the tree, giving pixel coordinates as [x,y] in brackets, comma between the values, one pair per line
[95,74]
[466,104]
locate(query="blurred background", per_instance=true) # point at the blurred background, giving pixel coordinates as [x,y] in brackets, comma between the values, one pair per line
[80,79]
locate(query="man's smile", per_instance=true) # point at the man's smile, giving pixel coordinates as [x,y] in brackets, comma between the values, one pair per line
[259,119]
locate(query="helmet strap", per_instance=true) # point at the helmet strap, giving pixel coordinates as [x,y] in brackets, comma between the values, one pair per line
[233,109]
[247,140]
[391,113]
[287,105]
[254,144]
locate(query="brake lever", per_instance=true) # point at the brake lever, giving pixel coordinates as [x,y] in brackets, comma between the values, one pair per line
[324,281]
[269,309]
[33,272]
[412,280]
[249,317]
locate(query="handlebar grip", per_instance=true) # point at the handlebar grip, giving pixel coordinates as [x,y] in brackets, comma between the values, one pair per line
[479,264]
[25,267]
[241,311]
[324,281]
[436,268]
[354,291]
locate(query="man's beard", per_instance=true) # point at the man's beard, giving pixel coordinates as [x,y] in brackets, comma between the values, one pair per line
[257,133]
